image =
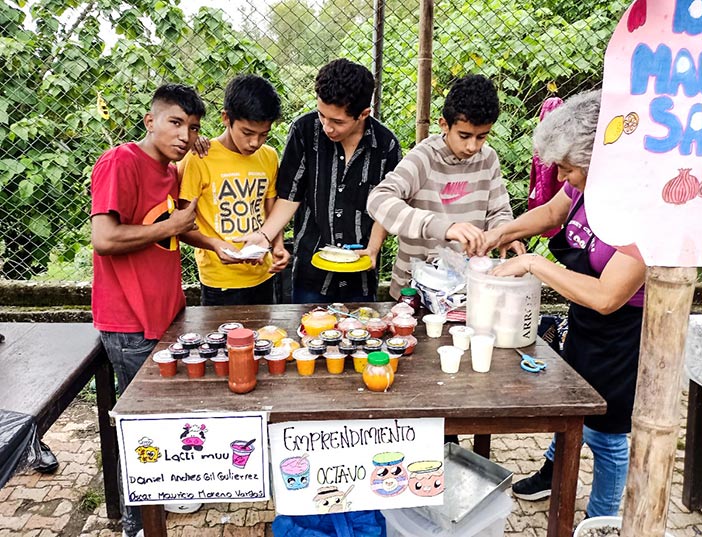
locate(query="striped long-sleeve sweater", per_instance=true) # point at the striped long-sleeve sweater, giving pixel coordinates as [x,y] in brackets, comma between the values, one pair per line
[431,189]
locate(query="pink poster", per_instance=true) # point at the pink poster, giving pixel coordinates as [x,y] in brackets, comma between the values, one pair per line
[643,187]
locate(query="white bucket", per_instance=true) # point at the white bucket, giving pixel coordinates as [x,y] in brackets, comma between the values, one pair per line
[600,522]
[507,306]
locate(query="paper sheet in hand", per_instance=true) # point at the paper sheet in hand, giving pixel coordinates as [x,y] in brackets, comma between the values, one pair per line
[247,252]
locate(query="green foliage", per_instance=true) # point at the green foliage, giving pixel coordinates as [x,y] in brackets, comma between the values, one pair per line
[51,130]
[91,500]
[522,46]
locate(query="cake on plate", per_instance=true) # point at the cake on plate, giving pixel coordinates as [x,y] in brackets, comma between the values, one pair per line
[338,255]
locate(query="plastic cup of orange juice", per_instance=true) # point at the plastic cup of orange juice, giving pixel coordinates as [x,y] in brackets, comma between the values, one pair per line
[394,361]
[305,362]
[360,359]
[335,362]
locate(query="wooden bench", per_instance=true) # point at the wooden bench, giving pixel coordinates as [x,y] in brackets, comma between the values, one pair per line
[44,367]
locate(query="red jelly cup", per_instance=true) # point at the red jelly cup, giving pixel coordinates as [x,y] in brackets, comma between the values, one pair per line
[196,366]
[277,360]
[221,365]
[167,365]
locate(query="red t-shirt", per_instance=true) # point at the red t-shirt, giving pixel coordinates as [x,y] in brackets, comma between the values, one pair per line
[139,291]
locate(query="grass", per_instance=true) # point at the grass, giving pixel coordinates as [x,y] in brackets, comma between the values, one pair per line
[91,499]
[87,394]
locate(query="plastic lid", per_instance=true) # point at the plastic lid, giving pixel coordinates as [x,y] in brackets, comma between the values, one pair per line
[378,358]
[240,337]
[408,291]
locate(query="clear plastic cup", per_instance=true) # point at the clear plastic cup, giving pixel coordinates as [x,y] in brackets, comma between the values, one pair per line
[360,359]
[335,362]
[167,365]
[434,324]
[196,366]
[220,363]
[461,336]
[481,346]
[450,358]
[305,362]
[277,360]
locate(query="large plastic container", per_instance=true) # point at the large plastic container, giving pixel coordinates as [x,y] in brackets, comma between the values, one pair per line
[487,521]
[507,306]
[600,522]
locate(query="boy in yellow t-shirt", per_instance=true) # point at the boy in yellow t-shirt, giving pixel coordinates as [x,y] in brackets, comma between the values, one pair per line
[235,183]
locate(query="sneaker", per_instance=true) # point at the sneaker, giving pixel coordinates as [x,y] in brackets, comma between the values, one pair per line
[183,508]
[537,486]
[140,533]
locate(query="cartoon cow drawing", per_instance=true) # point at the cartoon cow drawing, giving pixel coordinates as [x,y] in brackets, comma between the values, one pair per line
[193,437]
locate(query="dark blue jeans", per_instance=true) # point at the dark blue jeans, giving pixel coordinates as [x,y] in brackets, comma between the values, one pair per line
[611,454]
[127,352]
[246,296]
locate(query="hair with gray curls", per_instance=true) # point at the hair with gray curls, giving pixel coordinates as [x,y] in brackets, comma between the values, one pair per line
[567,134]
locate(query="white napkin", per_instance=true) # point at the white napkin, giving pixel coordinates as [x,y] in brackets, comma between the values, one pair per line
[247,252]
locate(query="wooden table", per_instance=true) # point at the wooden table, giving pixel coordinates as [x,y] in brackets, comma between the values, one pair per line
[44,366]
[505,400]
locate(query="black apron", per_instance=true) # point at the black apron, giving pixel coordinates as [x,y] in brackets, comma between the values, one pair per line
[603,349]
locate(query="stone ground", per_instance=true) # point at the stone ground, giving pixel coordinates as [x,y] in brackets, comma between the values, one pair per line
[70,502]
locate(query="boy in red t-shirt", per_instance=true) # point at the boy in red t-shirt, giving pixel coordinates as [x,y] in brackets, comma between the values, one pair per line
[137,289]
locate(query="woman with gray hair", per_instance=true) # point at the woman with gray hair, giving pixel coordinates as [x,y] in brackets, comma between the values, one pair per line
[605,288]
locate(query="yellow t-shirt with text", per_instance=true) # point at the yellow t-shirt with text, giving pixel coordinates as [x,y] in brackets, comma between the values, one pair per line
[231,189]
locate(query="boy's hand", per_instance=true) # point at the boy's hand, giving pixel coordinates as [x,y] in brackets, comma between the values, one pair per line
[493,239]
[218,248]
[183,220]
[471,237]
[201,146]
[281,257]
[253,238]
[370,253]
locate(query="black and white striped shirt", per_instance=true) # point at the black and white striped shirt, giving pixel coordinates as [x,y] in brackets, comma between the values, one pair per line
[333,197]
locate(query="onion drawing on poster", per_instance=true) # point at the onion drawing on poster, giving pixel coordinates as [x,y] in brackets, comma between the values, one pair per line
[644,189]
[335,467]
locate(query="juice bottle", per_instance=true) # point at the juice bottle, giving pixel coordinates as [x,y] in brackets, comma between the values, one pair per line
[242,366]
[378,375]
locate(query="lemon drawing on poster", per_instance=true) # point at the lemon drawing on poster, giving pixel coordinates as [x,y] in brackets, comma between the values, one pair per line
[102,107]
[614,130]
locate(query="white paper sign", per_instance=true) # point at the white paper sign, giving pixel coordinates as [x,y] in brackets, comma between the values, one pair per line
[324,467]
[181,458]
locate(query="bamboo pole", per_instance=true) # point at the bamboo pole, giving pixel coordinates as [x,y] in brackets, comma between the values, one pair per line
[378,43]
[657,406]
[426,35]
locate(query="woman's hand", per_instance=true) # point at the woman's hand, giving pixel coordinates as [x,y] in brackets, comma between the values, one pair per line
[517,266]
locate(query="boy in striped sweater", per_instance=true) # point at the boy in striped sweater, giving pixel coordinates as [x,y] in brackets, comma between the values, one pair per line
[448,189]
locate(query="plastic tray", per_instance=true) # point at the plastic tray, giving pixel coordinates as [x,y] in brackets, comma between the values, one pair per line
[471,482]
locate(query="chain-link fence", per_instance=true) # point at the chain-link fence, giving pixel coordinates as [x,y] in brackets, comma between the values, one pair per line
[78,76]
